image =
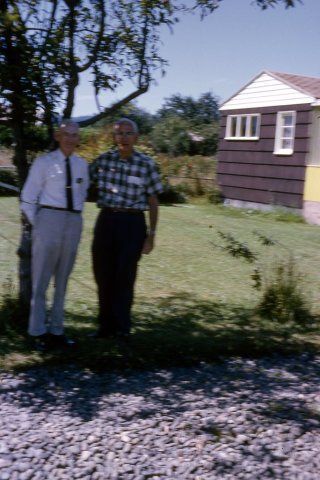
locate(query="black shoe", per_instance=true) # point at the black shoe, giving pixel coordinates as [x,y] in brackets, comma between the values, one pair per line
[61,341]
[40,343]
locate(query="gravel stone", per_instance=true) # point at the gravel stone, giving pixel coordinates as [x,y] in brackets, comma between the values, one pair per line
[236,419]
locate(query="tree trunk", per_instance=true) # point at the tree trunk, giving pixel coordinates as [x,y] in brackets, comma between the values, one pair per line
[24,250]
[25,284]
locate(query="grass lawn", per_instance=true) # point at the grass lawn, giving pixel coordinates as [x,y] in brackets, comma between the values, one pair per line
[193,301]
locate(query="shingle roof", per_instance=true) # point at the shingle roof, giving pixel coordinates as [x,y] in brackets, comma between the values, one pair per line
[307,85]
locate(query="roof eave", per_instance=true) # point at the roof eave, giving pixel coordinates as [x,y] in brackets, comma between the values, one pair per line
[290,84]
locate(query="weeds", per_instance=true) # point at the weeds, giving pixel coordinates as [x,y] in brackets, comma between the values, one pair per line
[282,299]
[236,248]
[12,313]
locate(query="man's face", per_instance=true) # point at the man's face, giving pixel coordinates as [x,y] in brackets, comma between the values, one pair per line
[68,138]
[124,138]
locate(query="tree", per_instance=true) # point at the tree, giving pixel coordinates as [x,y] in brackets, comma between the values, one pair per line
[46,45]
[264,4]
[144,119]
[187,126]
[170,135]
[205,110]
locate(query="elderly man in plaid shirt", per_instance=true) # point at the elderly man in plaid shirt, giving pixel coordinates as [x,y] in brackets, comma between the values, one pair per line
[127,184]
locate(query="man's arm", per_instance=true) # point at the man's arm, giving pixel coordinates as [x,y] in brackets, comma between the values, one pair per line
[153,220]
[30,192]
[92,193]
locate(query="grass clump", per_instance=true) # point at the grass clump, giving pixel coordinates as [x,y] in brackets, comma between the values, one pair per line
[282,299]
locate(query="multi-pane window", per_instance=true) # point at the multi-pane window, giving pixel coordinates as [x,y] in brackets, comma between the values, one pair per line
[243,127]
[285,130]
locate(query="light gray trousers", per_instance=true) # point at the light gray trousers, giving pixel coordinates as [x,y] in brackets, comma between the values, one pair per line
[55,239]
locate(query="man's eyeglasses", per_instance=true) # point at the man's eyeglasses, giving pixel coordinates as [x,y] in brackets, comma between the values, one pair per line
[70,135]
[122,134]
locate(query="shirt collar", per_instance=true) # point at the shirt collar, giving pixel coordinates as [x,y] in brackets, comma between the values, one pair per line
[128,160]
[62,156]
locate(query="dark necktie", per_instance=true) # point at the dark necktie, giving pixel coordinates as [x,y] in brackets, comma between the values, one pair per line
[69,185]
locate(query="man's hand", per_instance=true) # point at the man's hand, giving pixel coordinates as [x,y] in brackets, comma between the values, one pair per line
[148,244]
[25,222]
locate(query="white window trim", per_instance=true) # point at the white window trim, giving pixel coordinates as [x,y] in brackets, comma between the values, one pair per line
[247,135]
[278,150]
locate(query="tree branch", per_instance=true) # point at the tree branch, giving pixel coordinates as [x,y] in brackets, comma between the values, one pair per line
[50,27]
[113,108]
[95,50]
[73,77]
[144,71]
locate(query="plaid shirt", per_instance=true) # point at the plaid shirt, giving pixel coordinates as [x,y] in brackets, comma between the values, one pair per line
[125,183]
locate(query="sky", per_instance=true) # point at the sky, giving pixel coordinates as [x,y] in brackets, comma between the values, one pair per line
[225,51]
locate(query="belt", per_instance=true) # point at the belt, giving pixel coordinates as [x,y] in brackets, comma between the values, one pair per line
[122,210]
[60,208]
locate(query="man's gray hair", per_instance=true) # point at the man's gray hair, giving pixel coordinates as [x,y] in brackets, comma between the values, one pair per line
[67,121]
[123,121]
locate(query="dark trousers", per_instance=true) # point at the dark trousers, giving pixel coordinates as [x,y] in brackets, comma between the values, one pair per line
[116,250]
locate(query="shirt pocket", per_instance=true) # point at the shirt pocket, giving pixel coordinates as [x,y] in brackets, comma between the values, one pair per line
[135,186]
[79,187]
[133,180]
[55,172]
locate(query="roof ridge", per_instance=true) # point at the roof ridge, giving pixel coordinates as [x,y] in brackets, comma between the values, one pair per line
[292,74]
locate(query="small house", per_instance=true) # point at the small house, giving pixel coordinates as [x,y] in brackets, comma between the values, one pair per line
[269,146]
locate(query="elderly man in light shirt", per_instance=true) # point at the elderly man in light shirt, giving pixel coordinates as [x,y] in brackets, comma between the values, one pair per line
[52,200]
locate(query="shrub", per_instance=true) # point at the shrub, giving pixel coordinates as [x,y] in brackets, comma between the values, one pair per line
[185,189]
[6,137]
[282,299]
[214,195]
[10,177]
[171,195]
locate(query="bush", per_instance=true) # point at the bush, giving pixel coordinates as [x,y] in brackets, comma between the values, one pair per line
[10,177]
[185,189]
[282,299]
[6,137]
[170,135]
[196,188]
[171,195]
[215,196]
[94,142]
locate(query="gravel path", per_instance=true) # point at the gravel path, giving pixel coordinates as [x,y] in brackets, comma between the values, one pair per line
[240,419]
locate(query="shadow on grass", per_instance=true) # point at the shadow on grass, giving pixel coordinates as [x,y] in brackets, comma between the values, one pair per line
[180,331]
[176,331]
